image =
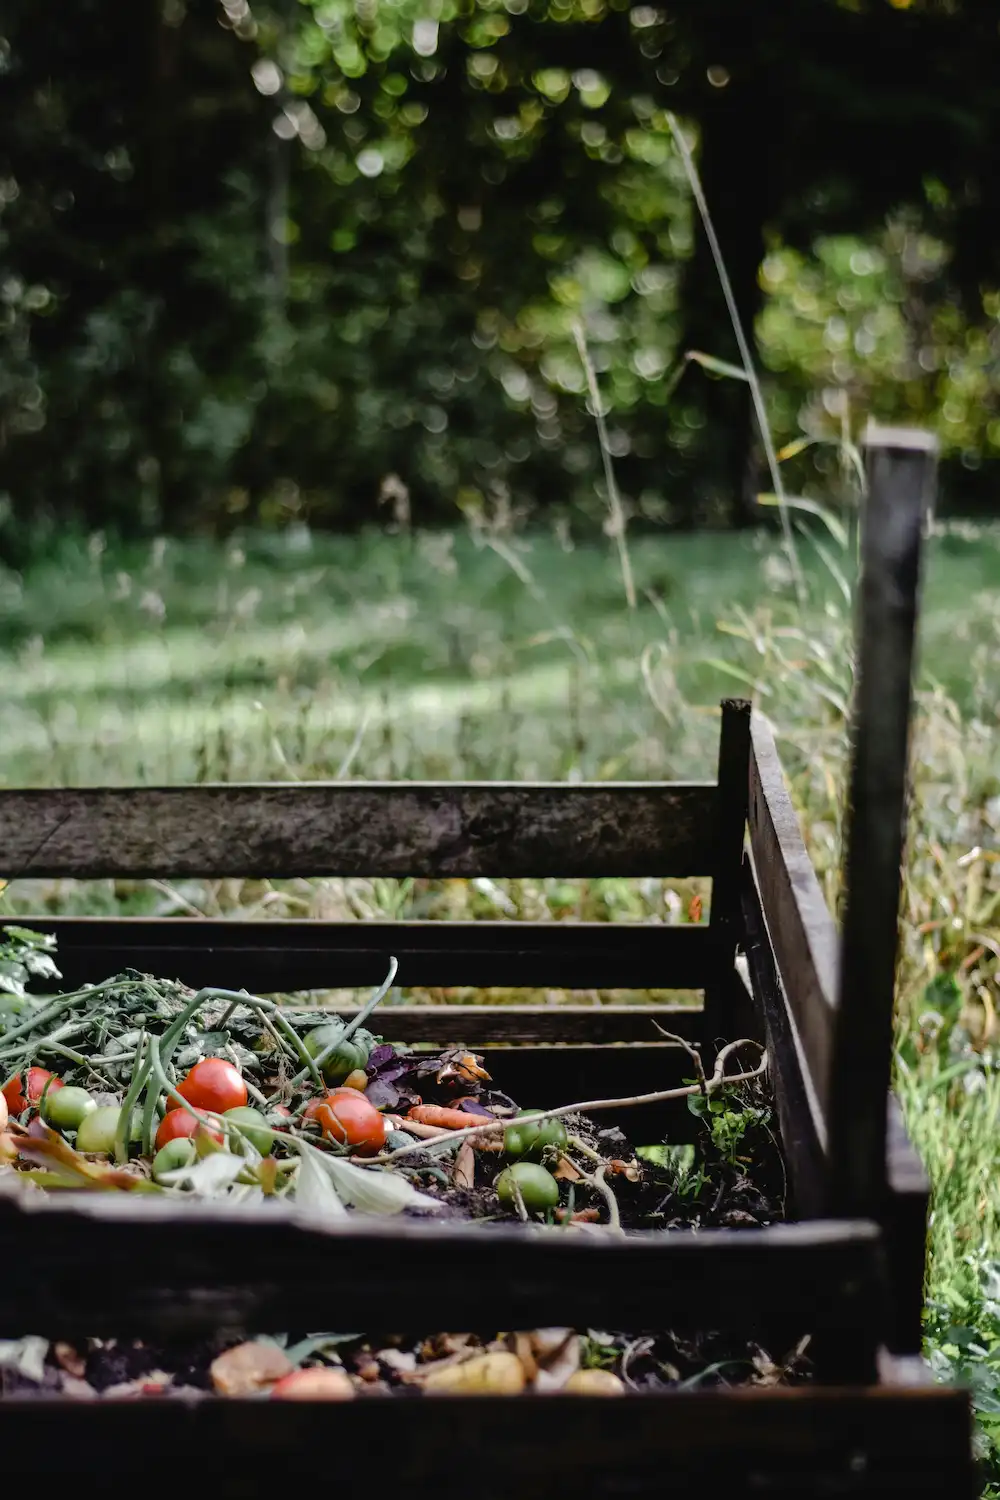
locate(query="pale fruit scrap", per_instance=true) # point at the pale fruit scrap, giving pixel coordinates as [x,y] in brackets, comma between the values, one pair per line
[594,1383]
[249,1369]
[496,1374]
[319,1384]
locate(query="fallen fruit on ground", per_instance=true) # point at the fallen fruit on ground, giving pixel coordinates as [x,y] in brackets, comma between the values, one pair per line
[178,1124]
[65,1108]
[529,1141]
[96,1132]
[594,1383]
[537,1187]
[250,1124]
[249,1369]
[173,1156]
[37,1081]
[348,1119]
[320,1384]
[346,1057]
[214,1084]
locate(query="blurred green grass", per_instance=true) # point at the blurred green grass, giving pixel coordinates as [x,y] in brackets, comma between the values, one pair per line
[488,655]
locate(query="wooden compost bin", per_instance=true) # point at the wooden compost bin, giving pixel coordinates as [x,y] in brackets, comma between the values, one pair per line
[846,1269]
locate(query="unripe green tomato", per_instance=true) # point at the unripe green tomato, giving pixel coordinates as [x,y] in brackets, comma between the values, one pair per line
[538,1188]
[66,1108]
[252,1125]
[531,1140]
[171,1157]
[96,1131]
[344,1059]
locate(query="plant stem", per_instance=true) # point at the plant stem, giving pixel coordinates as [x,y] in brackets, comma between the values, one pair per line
[589,1106]
[749,370]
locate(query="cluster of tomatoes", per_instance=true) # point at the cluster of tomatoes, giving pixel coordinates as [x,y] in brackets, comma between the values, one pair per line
[213,1088]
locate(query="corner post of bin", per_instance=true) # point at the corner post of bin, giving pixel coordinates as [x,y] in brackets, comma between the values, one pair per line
[901,464]
[722,991]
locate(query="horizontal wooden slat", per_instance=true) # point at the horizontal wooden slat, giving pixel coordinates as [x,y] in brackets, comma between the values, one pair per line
[801,930]
[208,1265]
[303,955]
[540,1077]
[497,1025]
[800,1443]
[275,830]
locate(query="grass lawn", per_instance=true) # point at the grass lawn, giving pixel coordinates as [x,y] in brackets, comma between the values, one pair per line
[448,655]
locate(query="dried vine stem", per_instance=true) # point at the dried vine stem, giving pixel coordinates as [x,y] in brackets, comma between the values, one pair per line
[589,1106]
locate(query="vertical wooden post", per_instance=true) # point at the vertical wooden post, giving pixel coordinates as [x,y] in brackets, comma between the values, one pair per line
[722,991]
[901,469]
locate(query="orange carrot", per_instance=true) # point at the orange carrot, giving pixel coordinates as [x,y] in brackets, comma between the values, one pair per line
[444,1118]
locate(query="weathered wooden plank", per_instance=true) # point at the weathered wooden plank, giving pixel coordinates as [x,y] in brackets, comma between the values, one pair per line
[730,835]
[904,1220]
[902,467]
[799,1442]
[273,830]
[209,1265]
[498,1025]
[303,955]
[802,1131]
[801,931]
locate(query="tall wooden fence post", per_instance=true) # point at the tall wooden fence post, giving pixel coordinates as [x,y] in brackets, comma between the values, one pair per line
[901,470]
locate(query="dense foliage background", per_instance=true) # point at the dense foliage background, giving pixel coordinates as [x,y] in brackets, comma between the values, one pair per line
[293,261]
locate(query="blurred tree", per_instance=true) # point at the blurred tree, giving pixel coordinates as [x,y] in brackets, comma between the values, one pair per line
[295,249]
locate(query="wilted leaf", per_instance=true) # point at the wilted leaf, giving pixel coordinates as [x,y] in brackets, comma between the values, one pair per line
[49,1150]
[314,1192]
[208,1176]
[371,1190]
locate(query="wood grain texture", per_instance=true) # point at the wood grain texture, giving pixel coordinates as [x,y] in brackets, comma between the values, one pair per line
[801,1123]
[900,489]
[904,1219]
[209,1265]
[397,829]
[801,931]
[280,955]
[730,835]
[797,1444]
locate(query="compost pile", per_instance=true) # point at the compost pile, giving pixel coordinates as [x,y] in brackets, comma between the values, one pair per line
[140,1085]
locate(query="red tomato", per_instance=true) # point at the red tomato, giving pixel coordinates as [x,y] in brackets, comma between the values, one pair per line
[180,1123]
[350,1120]
[213,1084]
[37,1078]
[311,1110]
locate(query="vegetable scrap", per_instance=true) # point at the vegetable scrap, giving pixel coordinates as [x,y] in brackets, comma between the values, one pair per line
[136,1084]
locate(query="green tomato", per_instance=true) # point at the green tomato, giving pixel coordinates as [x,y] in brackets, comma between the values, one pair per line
[253,1126]
[67,1108]
[531,1140]
[538,1188]
[171,1157]
[345,1057]
[97,1130]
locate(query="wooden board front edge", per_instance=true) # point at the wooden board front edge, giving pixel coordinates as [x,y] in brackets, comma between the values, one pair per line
[278,830]
[805,1442]
[207,1266]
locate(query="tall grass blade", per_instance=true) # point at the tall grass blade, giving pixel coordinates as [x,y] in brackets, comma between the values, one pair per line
[694,180]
